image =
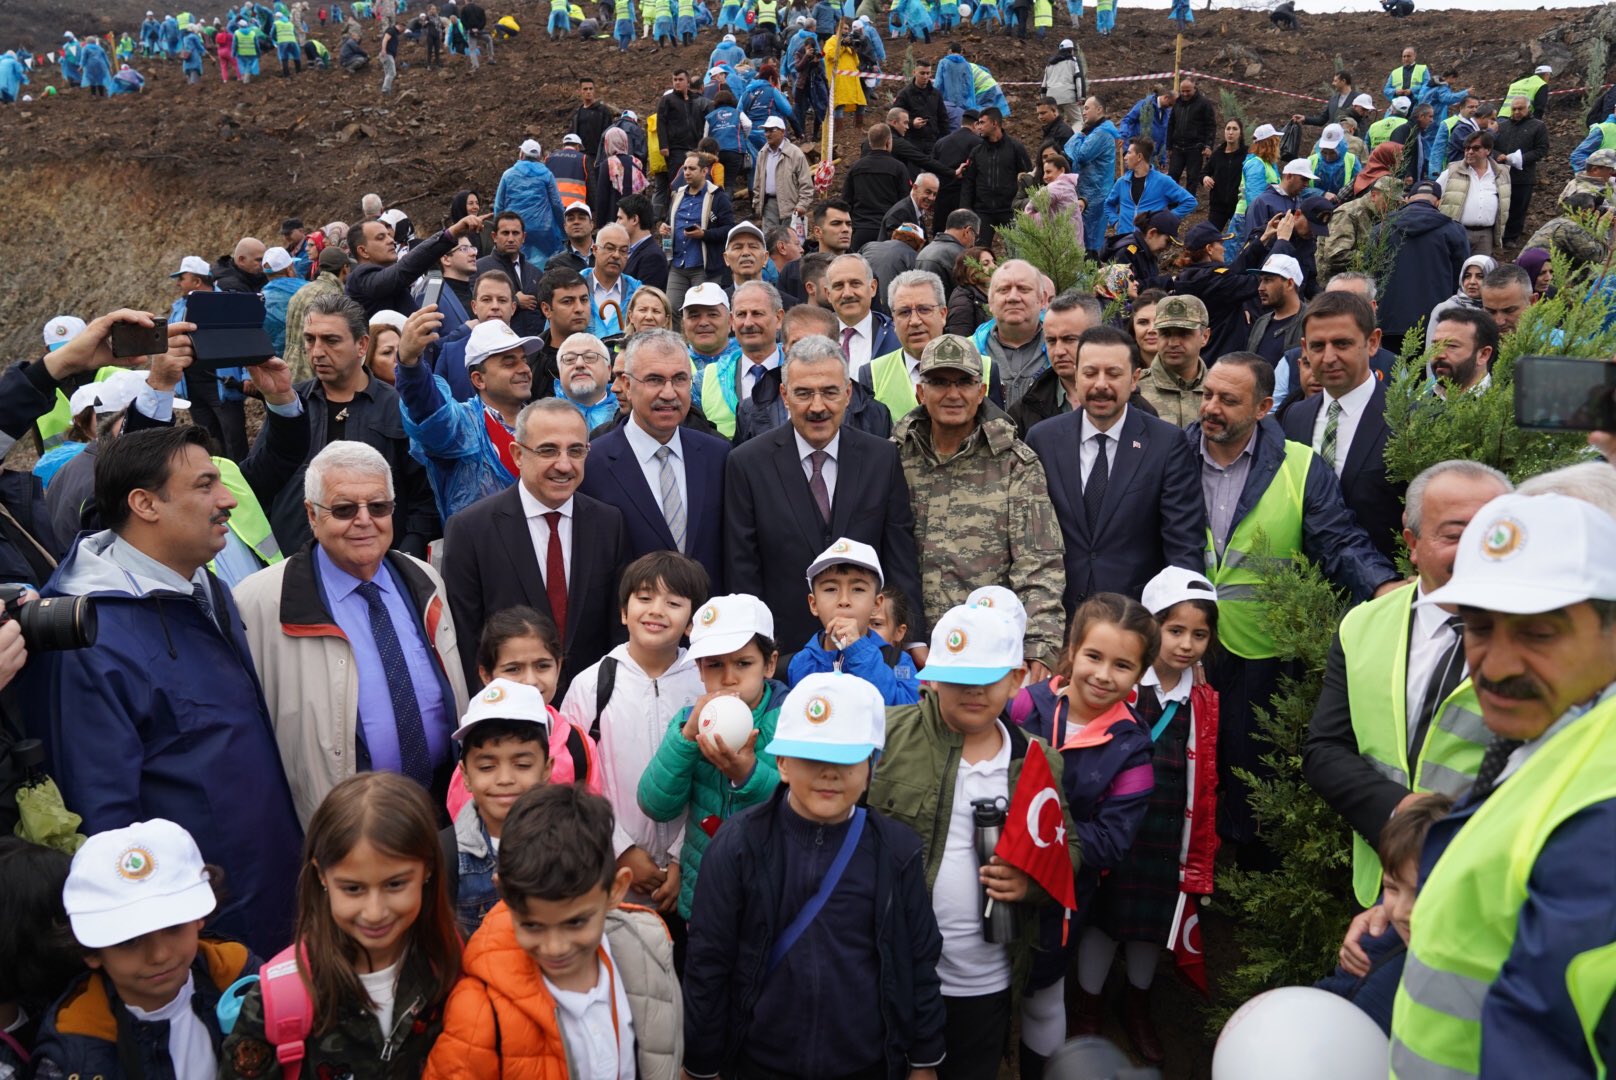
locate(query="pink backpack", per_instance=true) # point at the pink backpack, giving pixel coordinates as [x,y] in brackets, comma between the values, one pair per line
[288,1009]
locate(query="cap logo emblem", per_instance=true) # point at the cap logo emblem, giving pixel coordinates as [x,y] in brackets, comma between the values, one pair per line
[817,711]
[956,641]
[840,547]
[61,331]
[493,694]
[136,864]
[984,601]
[1503,540]
[709,615]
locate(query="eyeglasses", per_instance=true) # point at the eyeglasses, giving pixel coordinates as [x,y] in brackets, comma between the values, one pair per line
[381,508]
[963,382]
[550,451]
[924,311]
[578,359]
[805,395]
[466,249]
[657,383]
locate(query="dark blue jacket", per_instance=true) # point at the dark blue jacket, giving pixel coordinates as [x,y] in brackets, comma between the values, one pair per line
[1331,536]
[27,392]
[648,263]
[1429,249]
[164,717]
[450,364]
[1375,499]
[736,918]
[1375,992]
[88,1032]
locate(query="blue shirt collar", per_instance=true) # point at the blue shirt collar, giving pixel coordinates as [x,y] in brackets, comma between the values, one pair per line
[339,584]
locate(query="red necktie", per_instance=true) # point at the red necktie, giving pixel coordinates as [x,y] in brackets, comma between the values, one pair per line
[555,575]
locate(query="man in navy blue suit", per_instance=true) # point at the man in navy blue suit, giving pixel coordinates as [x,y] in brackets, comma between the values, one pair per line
[1346,424]
[1126,486]
[667,480]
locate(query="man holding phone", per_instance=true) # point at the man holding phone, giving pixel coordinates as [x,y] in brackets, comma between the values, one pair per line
[381,281]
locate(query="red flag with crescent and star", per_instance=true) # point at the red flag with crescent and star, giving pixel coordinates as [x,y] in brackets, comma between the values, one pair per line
[1034,837]
[1186,944]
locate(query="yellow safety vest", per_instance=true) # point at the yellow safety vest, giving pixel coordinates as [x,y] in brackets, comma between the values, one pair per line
[1349,164]
[284,33]
[248,520]
[894,388]
[766,11]
[1607,134]
[1591,979]
[247,42]
[1374,640]
[1526,88]
[714,405]
[1382,129]
[1418,75]
[1278,517]
[1466,917]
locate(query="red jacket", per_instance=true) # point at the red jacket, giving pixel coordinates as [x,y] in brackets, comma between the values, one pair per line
[1200,812]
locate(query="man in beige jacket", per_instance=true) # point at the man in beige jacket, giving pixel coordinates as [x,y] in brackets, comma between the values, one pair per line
[354,644]
[782,185]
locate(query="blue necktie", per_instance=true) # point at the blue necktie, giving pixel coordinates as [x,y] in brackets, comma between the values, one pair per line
[414,757]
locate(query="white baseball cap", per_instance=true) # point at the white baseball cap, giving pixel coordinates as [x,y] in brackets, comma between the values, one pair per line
[1264,131]
[193,264]
[277,259]
[630,114]
[1400,106]
[492,336]
[1284,266]
[388,317]
[114,393]
[774,122]
[1525,554]
[830,716]
[1364,101]
[572,140]
[1543,69]
[973,646]
[577,204]
[726,623]
[707,294]
[125,883]
[850,552]
[530,148]
[505,699]
[1066,43]
[1003,600]
[745,228]
[1332,136]
[1299,167]
[61,330]
[1174,585]
[729,39]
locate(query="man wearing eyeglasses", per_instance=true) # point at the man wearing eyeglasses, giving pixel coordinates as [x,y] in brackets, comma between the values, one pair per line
[666,478]
[919,311]
[981,501]
[541,543]
[610,290]
[791,491]
[353,642]
[586,379]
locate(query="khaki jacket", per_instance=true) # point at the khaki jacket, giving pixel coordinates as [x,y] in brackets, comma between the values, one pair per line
[793,182]
[1176,401]
[1456,186]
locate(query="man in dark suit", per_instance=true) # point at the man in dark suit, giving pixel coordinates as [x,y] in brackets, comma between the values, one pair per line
[873,184]
[1126,487]
[509,235]
[668,480]
[1346,424]
[792,491]
[914,208]
[541,544]
[952,151]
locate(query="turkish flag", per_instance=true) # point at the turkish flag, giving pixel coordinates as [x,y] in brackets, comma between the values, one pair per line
[1186,945]
[1034,837]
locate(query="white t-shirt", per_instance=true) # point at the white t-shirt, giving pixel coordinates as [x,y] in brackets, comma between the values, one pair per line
[597,1049]
[382,986]
[970,966]
[190,1046]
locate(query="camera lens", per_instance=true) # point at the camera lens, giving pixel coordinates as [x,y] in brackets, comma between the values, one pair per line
[57,623]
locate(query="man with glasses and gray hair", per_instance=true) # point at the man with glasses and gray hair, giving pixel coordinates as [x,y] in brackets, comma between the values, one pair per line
[586,378]
[666,478]
[353,642]
[793,490]
[541,543]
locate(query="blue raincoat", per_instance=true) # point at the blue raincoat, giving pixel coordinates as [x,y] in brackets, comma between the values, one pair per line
[726,53]
[956,82]
[70,61]
[12,76]
[451,439]
[529,188]
[171,36]
[788,64]
[914,18]
[97,68]
[763,100]
[193,52]
[623,28]
[1094,158]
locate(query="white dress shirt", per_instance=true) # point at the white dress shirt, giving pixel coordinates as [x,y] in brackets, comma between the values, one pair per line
[597,1048]
[1086,449]
[645,447]
[858,349]
[1481,199]
[1428,638]
[1165,694]
[772,157]
[539,529]
[749,380]
[828,471]
[1354,403]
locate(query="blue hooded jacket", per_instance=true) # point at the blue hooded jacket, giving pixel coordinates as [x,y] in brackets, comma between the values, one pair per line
[956,82]
[450,438]
[1094,157]
[529,188]
[97,68]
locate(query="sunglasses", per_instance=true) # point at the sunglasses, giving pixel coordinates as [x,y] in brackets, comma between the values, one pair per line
[381,508]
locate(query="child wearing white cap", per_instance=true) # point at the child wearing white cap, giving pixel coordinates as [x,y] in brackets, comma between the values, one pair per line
[697,775]
[136,899]
[844,593]
[943,755]
[1172,854]
[813,951]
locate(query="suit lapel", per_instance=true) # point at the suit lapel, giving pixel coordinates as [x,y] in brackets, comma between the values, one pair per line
[517,540]
[1132,442]
[1365,436]
[851,458]
[584,523]
[788,471]
[625,471]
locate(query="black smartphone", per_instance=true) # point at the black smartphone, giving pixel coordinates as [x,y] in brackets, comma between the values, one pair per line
[434,288]
[132,339]
[229,329]
[1565,393]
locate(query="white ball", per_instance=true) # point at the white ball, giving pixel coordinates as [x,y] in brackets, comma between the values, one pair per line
[729,719]
[965,11]
[1300,1033]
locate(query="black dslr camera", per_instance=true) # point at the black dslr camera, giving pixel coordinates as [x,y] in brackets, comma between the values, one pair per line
[49,625]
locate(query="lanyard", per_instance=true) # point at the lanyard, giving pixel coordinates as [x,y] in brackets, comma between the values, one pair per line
[1166,718]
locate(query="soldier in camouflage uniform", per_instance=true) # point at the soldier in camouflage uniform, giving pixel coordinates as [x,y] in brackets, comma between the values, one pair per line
[982,509]
[1566,233]
[1594,179]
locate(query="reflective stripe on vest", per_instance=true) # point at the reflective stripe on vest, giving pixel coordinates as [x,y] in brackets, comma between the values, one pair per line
[1526,88]
[1415,77]
[1591,979]
[1466,917]
[1278,517]
[247,520]
[1374,642]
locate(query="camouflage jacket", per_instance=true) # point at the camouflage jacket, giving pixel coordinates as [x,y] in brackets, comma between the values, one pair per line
[1349,230]
[1583,184]
[983,517]
[355,1047]
[1565,234]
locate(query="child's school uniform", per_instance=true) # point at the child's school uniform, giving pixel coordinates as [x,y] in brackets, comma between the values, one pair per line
[1106,777]
[361,1044]
[632,723]
[1178,839]
[856,995]
[14,1043]
[504,1018]
[90,1032]
[885,667]
[680,782]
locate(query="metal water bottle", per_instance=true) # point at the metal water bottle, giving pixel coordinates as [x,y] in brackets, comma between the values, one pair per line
[998,921]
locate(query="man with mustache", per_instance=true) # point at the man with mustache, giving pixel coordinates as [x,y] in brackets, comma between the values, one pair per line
[1255,482]
[586,377]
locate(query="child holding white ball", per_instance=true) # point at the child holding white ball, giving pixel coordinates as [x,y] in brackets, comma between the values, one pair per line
[709,767]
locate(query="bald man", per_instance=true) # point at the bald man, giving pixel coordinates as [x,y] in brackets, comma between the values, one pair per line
[243,269]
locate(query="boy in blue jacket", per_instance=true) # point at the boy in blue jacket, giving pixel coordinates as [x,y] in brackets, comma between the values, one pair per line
[844,593]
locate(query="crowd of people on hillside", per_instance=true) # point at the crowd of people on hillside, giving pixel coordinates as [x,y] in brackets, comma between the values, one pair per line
[685,597]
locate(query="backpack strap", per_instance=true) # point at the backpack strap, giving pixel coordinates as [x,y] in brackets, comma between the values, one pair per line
[580,758]
[288,1011]
[450,848]
[827,885]
[605,683]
